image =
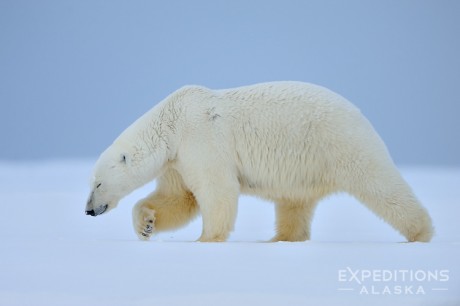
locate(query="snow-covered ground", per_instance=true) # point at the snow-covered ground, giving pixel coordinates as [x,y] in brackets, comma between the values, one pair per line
[52,254]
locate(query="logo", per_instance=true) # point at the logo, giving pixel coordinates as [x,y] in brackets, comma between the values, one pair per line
[392,282]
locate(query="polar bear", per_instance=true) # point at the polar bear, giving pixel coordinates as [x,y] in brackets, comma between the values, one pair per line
[291,143]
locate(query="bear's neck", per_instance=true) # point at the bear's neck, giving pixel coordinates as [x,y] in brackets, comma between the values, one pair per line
[155,132]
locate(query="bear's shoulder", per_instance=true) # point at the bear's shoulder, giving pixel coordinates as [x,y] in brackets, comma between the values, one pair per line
[191,90]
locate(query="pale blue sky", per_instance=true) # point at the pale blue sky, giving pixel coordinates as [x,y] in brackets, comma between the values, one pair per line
[74,74]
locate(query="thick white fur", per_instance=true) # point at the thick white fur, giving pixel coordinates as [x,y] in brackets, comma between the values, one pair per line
[289,142]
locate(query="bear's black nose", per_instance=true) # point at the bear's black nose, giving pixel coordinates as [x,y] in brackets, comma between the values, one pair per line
[90,212]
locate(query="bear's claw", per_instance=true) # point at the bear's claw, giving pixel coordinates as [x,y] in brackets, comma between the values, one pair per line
[147,232]
[144,220]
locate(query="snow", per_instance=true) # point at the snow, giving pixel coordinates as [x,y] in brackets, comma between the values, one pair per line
[52,254]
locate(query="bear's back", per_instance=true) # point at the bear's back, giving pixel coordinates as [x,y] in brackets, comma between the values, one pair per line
[289,135]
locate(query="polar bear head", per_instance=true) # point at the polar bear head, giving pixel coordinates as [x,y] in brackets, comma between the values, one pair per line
[122,167]
[135,158]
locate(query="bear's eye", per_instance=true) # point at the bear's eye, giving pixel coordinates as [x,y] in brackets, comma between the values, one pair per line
[98,185]
[123,159]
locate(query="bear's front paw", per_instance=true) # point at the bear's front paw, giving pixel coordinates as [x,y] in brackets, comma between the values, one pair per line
[144,223]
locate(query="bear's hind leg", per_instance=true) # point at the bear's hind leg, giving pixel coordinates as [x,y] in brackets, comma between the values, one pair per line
[293,220]
[392,199]
[160,212]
